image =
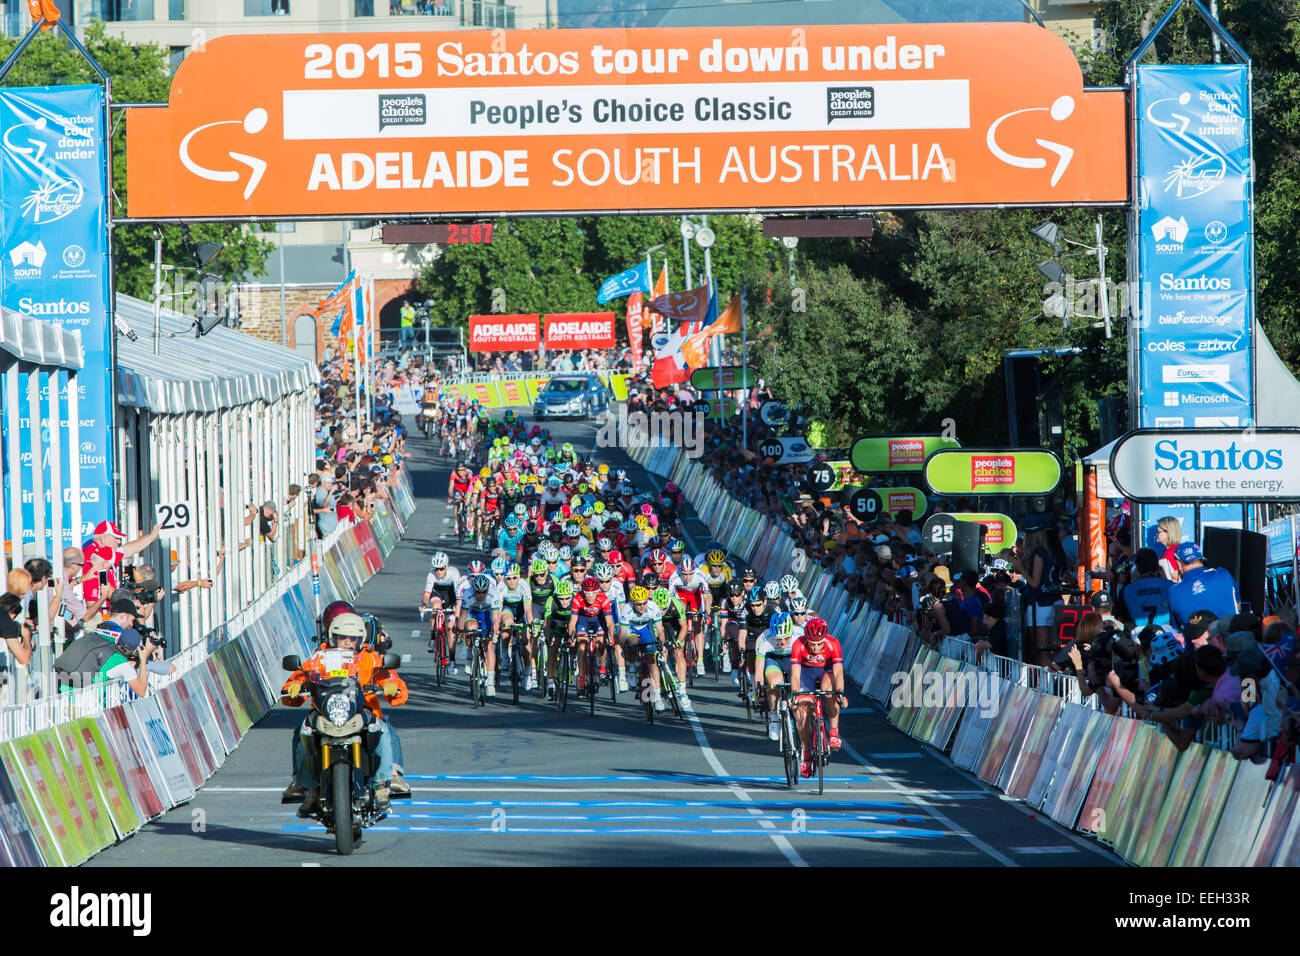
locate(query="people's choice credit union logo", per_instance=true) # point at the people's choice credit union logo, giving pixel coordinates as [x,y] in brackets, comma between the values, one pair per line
[253,122]
[1060,111]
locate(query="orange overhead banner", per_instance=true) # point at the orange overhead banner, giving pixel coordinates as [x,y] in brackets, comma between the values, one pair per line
[571,121]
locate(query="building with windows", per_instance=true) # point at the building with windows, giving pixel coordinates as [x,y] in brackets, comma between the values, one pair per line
[310,258]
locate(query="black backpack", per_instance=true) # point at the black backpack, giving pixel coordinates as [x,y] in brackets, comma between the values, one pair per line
[82,659]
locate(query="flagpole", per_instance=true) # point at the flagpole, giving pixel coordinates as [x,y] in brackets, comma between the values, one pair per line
[356,370]
[744,366]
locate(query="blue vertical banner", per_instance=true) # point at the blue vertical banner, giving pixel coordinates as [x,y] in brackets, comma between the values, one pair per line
[1195,239]
[54,268]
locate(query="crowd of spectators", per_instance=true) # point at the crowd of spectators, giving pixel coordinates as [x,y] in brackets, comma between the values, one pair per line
[563,361]
[1162,640]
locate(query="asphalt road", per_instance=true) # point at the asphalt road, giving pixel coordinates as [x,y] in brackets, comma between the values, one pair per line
[529,785]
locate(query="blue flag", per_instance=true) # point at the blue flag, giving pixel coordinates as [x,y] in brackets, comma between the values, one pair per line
[636,279]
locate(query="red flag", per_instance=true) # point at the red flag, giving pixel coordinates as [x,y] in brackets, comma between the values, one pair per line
[689,306]
[634,317]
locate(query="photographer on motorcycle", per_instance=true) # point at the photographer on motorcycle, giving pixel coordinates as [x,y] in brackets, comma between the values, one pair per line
[346,632]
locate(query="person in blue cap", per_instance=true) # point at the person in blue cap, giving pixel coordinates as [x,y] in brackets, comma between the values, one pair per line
[1201,588]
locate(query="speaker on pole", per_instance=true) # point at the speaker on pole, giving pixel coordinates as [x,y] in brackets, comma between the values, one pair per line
[1244,554]
[967,547]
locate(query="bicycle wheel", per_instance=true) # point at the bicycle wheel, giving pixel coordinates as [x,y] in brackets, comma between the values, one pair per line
[593,681]
[440,651]
[690,660]
[475,674]
[668,687]
[819,753]
[514,667]
[611,671]
[749,696]
[789,752]
[562,673]
[715,650]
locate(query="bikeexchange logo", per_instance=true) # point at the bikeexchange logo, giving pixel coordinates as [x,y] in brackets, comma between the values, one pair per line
[34,146]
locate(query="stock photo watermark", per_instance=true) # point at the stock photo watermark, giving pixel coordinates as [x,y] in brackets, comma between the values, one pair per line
[675,429]
[974,689]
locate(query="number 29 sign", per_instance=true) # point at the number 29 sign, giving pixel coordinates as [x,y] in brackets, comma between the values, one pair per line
[176,521]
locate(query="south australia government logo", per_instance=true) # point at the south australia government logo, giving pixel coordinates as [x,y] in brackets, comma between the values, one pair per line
[38,147]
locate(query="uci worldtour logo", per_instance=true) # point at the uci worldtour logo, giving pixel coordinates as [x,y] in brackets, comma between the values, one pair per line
[1196,176]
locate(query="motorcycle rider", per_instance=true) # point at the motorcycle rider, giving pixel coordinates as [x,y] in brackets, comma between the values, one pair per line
[346,632]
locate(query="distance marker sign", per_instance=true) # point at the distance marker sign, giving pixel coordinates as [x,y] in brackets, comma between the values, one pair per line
[727,376]
[887,454]
[992,472]
[865,504]
[821,476]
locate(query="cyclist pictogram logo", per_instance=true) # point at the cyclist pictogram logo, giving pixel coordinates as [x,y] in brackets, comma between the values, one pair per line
[1060,110]
[254,122]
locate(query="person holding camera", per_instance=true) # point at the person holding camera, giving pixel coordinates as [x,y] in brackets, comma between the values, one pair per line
[131,653]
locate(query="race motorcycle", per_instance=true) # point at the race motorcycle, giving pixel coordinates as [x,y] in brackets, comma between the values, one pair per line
[342,752]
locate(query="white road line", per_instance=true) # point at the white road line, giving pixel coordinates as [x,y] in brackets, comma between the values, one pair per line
[781,842]
[926,808]
[701,789]
[1028,811]
[1042,849]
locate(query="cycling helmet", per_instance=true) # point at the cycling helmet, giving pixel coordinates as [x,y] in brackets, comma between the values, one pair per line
[345,624]
[620,474]
[538,566]
[735,588]
[567,449]
[512,520]
[784,627]
[789,583]
[520,510]
[641,522]
[629,526]
[798,604]
[650,578]
[662,597]
[590,583]
[638,594]
[572,529]
[658,556]
[480,582]
[333,610]
[626,489]
[748,573]
[553,483]
[548,551]
[565,553]
[605,572]
[604,544]
[499,565]
[670,488]
[676,544]
[530,527]
[598,507]
[440,560]
[647,510]
[485,472]
[716,558]
[615,558]
[686,566]
[512,571]
[814,631]
[475,567]
[755,595]
[772,590]
[564,588]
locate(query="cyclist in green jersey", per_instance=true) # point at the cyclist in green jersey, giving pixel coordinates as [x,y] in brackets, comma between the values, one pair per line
[559,609]
[673,622]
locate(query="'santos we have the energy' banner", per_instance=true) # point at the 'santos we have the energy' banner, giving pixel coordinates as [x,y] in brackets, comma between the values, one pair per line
[569,121]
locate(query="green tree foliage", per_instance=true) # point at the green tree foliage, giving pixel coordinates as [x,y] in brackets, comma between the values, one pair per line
[557,265]
[139,74]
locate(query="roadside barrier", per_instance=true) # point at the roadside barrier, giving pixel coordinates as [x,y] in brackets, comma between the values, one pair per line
[90,767]
[1025,730]
[501,392]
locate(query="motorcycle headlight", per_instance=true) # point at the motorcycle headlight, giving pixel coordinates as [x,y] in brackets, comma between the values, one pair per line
[338,708]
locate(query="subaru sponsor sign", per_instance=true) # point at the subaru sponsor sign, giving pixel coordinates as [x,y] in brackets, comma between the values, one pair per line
[1208,464]
[1194,242]
[54,267]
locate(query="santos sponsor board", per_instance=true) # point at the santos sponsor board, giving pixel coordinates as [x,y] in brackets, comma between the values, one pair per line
[1194,234]
[55,265]
[1219,464]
